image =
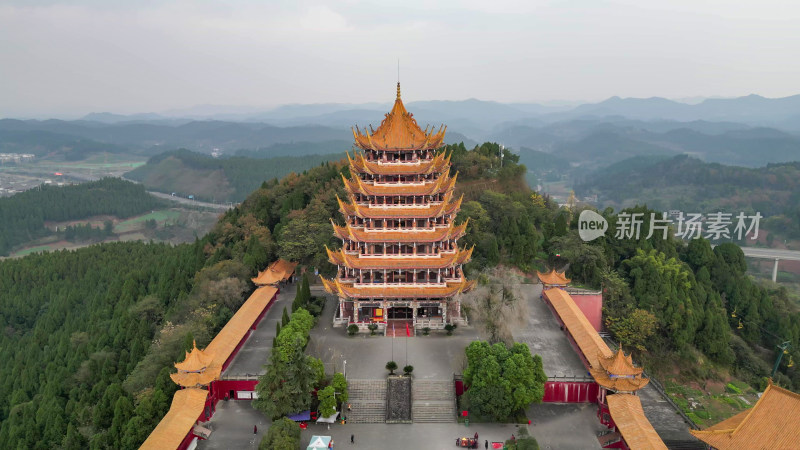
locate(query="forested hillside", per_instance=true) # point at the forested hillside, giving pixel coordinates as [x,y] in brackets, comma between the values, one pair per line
[22,216]
[690,185]
[75,325]
[219,179]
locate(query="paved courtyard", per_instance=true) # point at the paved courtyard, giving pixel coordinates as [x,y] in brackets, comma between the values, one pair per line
[545,337]
[255,352]
[434,357]
[555,426]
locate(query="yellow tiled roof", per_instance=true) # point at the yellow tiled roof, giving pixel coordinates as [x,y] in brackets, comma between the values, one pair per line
[197,369]
[629,418]
[278,271]
[619,364]
[772,423]
[553,278]
[411,262]
[223,344]
[442,184]
[440,163]
[618,384]
[589,342]
[378,212]
[383,291]
[399,130]
[402,236]
[187,405]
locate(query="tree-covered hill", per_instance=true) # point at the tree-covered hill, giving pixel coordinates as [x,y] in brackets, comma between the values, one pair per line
[690,185]
[219,179]
[22,216]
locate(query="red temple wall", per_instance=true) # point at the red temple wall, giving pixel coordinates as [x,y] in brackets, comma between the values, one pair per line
[591,305]
[570,392]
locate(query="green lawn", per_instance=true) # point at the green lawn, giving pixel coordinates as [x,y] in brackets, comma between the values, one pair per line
[28,251]
[159,216]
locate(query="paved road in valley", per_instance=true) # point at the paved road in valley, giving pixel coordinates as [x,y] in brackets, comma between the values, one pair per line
[186,201]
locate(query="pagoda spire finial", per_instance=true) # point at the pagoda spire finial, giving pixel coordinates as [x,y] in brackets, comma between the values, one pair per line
[398,90]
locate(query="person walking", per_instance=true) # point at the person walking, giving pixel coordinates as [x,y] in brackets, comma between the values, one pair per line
[255,429]
[352,439]
[486,445]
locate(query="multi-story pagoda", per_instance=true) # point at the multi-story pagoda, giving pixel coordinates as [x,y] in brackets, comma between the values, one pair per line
[399,258]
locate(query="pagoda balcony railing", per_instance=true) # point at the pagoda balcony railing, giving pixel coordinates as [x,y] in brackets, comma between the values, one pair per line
[405,284]
[400,205]
[401,183]
[393,229]
[401,163]
[410,256]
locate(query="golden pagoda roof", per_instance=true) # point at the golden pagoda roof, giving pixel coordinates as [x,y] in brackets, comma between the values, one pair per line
[194,361]
[442,184]
[399,131]
[187,406]
[770,424]
[278,271]
[396,262]
[553,278]
[379,212]
[347,290]
[196,379]
[402,236]
[618,384]
[628,415]
[439,163]
[619,364]
[197,369]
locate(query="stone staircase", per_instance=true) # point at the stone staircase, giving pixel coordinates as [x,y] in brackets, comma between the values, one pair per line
[367,399]
[433,401]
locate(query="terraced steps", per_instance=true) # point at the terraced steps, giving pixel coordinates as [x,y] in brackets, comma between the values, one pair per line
[367,400]
[433,401]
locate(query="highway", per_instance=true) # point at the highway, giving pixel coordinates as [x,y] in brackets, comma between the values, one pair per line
[771,253]
[186,201]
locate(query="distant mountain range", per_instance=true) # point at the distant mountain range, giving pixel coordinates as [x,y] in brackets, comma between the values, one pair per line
[748,131]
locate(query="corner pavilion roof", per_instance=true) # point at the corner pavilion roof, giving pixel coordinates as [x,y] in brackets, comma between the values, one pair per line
[278,271]
[593,348]
[628,415]
[402,236]
[442,184]
[197,369]
[347,290]
[187,406]
[409,262]
[619,364]
[438,164]
[553,278]
[772,423]
[401,212]
[399,131]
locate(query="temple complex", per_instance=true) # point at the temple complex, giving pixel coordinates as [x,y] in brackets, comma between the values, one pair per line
[400,258]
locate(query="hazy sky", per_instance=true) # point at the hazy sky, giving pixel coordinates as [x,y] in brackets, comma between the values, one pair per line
[71,58]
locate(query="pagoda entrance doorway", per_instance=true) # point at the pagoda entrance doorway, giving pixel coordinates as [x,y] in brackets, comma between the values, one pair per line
[400,312]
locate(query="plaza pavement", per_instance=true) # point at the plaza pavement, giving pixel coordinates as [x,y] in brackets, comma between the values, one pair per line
[256,351]
[545,337]
[555,426]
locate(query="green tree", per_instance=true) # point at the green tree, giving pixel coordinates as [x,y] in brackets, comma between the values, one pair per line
[327,401]
[391,366]
[502,381]
[283,434]
[285,388]
[339,384]
[634,329]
